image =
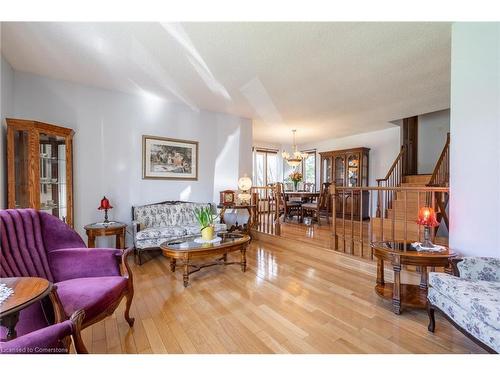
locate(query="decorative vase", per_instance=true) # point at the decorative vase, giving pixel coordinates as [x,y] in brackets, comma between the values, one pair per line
[207,233]
[295,185]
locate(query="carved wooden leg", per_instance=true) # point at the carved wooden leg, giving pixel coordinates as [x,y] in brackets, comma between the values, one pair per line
[318,217]
[432,320]
[130,286]
[423,278]
[129,297]
[90,241]
[173,262]
[224,258]
[380,271]
[77,319]
[10,322]
[185,275]
[244,259]
[120,240]
[396,291]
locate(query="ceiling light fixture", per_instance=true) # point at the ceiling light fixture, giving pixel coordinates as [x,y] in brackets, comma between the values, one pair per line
[296,157]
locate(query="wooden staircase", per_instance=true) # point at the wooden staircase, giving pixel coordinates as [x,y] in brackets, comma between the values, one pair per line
[405,213]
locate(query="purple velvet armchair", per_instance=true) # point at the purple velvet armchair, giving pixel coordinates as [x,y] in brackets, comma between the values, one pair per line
[54,339]
[34,243]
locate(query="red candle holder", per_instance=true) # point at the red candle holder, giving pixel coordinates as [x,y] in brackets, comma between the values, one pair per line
[105,205]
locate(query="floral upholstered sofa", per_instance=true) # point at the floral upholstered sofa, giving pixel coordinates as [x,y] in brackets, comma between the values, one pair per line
[470,300]
[156,223]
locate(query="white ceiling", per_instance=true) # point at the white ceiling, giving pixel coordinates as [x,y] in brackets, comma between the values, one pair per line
[324,79]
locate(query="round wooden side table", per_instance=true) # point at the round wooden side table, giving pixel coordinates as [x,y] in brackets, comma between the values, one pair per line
[27,290]
[399,254]
[113,228]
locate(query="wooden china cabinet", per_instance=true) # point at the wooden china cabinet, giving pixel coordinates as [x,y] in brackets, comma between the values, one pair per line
[40,167]
[347,168]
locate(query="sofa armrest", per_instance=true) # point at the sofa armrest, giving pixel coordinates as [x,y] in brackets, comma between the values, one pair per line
[136,227]
[478,268]
[68,264]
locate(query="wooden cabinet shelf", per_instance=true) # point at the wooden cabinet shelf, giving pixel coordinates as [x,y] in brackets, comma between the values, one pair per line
[347,168]
[40,167]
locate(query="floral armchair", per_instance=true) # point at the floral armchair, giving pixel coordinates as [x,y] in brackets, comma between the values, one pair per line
[470,300]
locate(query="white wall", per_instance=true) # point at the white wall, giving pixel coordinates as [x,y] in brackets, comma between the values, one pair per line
[384,147]
[108,145]
[432,131]
[6,108]
[475,146]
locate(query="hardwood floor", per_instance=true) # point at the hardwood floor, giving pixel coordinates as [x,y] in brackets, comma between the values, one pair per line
[288,301]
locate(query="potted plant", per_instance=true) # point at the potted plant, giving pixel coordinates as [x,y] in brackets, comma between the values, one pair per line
[206,219]
[296,177]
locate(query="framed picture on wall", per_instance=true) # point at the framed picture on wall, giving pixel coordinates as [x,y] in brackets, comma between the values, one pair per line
[169,159]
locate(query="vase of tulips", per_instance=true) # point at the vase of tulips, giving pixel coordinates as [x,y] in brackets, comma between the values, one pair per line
[296,177]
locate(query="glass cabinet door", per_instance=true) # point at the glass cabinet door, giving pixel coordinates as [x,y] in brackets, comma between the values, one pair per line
[21,168]
[353,170]
[327,169]
[53,189]
[364,181]
[339,171]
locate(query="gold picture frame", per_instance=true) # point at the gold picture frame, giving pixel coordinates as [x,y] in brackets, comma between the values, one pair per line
[169,158]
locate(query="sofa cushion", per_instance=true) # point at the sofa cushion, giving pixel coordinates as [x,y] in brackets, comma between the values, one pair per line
[93,294]
[161,232]
[483,332]
[479,298]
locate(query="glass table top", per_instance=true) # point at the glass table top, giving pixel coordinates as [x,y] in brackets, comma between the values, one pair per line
[188,243]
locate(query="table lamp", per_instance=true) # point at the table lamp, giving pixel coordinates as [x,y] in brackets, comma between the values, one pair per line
[245,184]
[105,205]
[427,218]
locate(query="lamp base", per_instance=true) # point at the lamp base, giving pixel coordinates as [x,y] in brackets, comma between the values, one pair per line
[106,216]
[427,238]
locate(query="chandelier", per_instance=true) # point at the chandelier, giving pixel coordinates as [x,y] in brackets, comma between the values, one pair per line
[296,157]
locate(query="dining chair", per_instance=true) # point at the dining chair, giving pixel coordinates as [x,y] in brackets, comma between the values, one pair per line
[321,207]
[289,207]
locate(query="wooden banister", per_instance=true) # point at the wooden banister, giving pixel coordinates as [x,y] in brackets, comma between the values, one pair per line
[441,174]
[393,178]
[441,178]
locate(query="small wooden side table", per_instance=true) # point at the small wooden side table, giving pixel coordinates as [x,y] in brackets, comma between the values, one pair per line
[399,254]
[113,228]
[27,290]
[238,227]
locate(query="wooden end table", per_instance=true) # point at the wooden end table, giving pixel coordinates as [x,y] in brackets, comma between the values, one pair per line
[238,227]
[27,290]
[186,249]
[399,254]
[113,228]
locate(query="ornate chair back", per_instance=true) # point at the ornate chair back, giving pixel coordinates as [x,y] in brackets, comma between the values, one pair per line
[324,196]
[309,187]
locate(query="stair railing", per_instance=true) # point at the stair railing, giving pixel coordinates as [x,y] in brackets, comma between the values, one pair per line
[441,178]
[393,179]
[441,174]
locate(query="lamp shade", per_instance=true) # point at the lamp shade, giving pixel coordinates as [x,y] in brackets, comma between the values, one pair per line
[105,205]
[427,217]
[245,183]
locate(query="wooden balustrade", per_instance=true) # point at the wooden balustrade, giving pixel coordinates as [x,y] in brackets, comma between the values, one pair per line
[267,201]
[393,179]
[400,205]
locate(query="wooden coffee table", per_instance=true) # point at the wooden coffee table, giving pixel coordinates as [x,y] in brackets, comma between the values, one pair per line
[27,290]
[186,250]
[399,254]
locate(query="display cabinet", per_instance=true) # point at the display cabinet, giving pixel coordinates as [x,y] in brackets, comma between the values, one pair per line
[347,168]
[40,167]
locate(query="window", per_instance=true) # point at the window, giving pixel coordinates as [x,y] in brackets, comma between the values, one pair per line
[309,167]
[265,167]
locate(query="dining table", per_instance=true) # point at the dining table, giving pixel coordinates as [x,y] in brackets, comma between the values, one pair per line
[301,194]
